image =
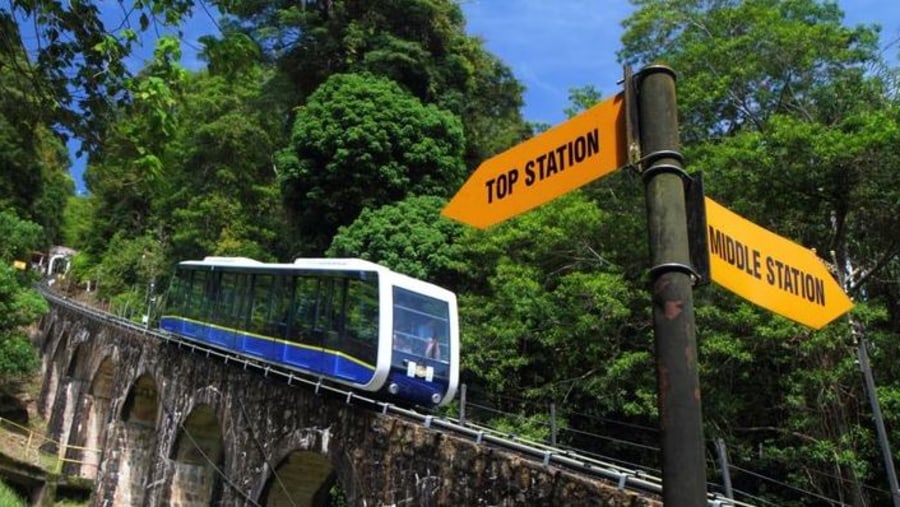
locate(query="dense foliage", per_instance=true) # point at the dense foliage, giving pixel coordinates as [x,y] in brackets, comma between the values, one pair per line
[361,142]
[20,305]
[34,187]
[341,127]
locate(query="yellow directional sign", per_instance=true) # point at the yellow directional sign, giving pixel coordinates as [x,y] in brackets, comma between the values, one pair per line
[770,271]
[544,167]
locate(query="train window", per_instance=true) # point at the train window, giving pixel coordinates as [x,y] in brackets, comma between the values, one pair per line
[259,314]
[361,318]
[362,310]
[231,299]
[304,309]
[176,296]
[337,311]
[197,291]
[210,294]
[314,310]
[214,295]
[324,317]
[226,300]
[282,292]
[421,325]
[243,292]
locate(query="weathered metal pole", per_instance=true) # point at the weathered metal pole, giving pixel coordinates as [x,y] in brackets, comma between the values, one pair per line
[462,404]
[726,473]
[680,419]
[862,352]
[553,424]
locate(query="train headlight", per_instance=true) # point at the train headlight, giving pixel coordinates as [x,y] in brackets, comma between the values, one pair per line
[393,388]
[436,398]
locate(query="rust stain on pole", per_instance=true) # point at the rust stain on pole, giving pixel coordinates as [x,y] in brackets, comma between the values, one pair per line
[673,309]
[667,299]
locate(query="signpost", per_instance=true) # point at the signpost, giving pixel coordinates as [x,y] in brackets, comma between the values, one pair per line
[563,158]
[771,271]
[752,262]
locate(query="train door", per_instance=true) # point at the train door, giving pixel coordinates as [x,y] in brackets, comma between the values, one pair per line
[195,287]
[269,315]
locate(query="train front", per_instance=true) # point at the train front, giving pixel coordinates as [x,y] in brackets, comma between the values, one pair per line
[424,344]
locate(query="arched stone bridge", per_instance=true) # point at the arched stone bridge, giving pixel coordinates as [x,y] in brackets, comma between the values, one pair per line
[179,428]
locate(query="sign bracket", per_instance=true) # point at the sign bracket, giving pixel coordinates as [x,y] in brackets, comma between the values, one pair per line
[698,244]
[632,121]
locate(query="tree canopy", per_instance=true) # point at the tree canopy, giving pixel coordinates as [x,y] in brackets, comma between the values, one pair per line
[362,142]
[20,305]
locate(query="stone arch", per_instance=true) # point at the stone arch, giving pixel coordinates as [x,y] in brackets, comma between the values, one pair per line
[302,478]
[102,380]
[141,406]
[73,402]
[135,438]
[99,401]
[197,457]
[80,358]
[55,346]
[49,325]
[53,362]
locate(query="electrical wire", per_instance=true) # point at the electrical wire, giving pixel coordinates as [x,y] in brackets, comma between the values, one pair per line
[263,452]
[788,486]
[215,467]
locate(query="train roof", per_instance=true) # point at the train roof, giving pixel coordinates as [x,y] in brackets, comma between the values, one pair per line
[315,263]
[308,263]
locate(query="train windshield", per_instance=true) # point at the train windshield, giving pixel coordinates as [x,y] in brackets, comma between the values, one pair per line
[421,325]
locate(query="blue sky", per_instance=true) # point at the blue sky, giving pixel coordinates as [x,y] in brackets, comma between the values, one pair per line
[553,46]
[556,45]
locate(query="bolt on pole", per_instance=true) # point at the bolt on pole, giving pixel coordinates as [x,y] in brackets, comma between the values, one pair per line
[680,418]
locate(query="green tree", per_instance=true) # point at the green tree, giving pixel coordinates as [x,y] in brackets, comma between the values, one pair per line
[362,142]
[76,72]
[20,305]
[128,174]
[744,61]
[33,161]
[547,318]
[20,237]
[76,230]
[409,236]
[130,273]
[581,99]
[189,163]
[223,196]
[420,44]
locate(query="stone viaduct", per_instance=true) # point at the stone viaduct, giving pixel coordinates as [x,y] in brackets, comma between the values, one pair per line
[175,427]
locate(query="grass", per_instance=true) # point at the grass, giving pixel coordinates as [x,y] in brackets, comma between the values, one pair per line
[9,498]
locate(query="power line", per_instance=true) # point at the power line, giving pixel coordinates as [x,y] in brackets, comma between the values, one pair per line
[209,461]
[262,451]
[788,486]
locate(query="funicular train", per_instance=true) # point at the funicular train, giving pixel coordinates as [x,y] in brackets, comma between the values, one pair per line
[345,320]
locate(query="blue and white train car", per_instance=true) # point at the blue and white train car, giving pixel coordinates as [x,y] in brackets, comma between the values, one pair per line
[347,320]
